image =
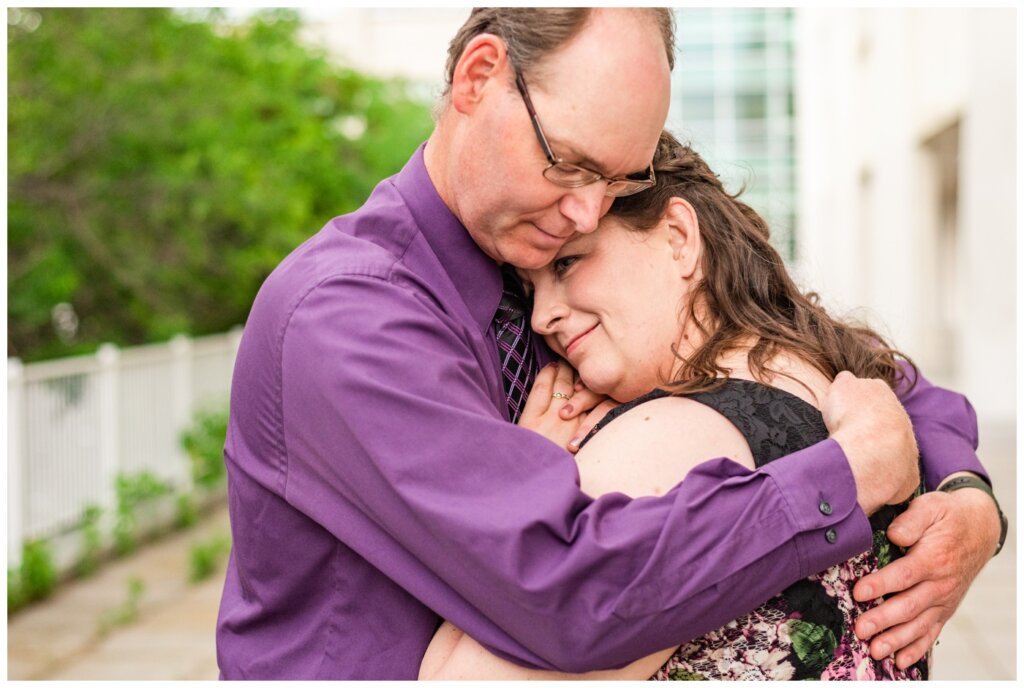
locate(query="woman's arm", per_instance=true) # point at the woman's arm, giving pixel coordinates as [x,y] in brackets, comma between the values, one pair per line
[666,437]
[468,659]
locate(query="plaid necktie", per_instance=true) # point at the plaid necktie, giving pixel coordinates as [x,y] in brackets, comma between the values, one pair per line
[515,344]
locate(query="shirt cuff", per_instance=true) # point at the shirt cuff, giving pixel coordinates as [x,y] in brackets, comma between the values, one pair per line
[821,495]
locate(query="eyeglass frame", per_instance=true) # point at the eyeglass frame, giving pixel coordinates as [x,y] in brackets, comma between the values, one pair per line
[552,160]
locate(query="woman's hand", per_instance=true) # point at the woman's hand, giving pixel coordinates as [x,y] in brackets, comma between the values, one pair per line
[551,392]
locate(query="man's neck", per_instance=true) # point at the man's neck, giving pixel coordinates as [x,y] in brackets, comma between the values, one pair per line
[436,161]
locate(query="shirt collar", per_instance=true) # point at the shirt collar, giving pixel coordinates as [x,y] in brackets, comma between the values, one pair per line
[475,275]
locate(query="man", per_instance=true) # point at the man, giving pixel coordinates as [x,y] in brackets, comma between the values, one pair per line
[376,485]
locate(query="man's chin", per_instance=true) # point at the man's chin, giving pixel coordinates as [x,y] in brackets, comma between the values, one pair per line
[529,257]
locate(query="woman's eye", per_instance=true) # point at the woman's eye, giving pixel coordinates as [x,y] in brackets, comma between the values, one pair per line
[560,265]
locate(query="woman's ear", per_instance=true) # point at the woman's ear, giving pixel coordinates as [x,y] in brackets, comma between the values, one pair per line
[683,235]
[483,60]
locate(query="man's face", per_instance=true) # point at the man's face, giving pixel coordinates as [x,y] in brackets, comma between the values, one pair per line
[602,101]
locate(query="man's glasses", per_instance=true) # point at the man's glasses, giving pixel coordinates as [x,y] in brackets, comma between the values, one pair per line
[572,176]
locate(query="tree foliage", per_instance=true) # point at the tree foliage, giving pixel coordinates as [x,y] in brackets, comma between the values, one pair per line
[161,164]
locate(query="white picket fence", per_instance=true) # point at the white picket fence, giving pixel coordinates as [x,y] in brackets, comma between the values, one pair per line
[74,424]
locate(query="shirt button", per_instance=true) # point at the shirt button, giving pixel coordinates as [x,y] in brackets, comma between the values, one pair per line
[825,508]
[831,536]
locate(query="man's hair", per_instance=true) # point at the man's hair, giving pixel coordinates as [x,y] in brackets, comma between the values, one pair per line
[745,290]
[531,33]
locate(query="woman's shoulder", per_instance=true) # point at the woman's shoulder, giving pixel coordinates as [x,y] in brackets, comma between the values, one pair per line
[785,371]
[651,446]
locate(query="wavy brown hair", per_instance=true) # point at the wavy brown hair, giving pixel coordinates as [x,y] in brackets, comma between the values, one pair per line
[745,291]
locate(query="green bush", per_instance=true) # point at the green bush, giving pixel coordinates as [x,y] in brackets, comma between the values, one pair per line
[133,491]
[127,611]
[15,595]
[91,541]
[185,510]
[204,443]
[166,161]
[37,576]
[206,556]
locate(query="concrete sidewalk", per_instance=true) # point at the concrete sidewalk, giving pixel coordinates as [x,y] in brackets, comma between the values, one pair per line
[173,634]
[171,637]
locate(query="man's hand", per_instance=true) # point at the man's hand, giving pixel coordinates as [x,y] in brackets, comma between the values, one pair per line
[950,537]
[869,423]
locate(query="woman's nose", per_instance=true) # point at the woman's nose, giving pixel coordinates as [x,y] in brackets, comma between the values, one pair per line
[547,311]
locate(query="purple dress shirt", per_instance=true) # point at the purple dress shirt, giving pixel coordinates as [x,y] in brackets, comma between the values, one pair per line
[376,485]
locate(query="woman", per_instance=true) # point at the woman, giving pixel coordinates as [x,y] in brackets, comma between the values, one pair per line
[679,307]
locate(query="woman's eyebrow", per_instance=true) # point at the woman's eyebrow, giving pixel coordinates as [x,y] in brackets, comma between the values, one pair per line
[575,238]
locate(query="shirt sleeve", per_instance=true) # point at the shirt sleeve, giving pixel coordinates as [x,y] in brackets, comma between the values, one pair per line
[391,441]
[946,428]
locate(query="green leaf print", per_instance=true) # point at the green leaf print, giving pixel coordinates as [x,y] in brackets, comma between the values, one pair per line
[814,645]
[884,552]
[684,675]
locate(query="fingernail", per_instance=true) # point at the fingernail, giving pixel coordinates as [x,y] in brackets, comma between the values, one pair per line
[885,649]
[869,629]
[574,443]
[566,409]
[578,386]
[867,594]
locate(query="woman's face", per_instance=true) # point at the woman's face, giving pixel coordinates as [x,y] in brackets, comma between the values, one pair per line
[611,304]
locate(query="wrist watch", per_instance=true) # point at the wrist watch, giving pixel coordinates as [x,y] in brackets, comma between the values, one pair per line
[975,481]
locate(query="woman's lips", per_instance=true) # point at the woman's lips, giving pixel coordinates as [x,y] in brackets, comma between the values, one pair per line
[577,339]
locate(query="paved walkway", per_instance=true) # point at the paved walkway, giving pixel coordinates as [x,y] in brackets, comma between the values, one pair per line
[173,634]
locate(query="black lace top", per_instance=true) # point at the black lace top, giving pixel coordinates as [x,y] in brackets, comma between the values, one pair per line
[806,631]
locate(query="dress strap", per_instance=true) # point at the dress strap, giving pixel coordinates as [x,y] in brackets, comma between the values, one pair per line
[773,422]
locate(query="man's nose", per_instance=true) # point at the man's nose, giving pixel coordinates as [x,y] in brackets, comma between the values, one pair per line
[585,205]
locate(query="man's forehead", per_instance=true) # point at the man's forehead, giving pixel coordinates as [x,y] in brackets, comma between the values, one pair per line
[605,136]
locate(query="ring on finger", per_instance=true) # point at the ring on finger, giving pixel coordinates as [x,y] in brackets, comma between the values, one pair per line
[559,395]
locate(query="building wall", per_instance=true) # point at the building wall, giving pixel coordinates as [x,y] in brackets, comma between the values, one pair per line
[907,178]
[411,43]
[732,100]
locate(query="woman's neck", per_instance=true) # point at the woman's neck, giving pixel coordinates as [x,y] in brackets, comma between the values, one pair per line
[784,370]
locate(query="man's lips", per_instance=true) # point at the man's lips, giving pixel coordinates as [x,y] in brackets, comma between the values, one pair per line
[552,238]
[577,339]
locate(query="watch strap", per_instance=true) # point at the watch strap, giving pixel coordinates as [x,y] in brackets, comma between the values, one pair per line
[974,481]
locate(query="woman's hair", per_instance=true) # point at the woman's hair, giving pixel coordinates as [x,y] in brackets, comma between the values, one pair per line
[745,291]
[531,33]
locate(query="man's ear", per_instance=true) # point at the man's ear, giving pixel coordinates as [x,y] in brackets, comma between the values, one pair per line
[483,60]
[683,229]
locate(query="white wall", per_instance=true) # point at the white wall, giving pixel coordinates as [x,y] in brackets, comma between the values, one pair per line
[388,42]
[873,87]
[988,358]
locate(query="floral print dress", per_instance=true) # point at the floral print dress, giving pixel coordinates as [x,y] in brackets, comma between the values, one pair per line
[806,631]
